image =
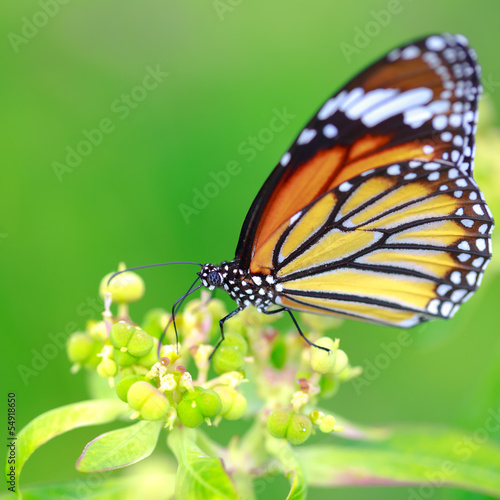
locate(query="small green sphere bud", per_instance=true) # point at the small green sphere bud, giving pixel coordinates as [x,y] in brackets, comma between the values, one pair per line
[150,402]
[226,397]
[120,334]
[233,402]
[238,407]
[123,358]
[327,424]
[323,361]
[155,407]
[189,412]
[107,368]
[138,393]
[299,429]
[209,403]
[97,330]
[79,347]
[150,359]
[140,343]
[125,383]
[236,340]
[278,423]
[124,288]
[341,361]
[227,359]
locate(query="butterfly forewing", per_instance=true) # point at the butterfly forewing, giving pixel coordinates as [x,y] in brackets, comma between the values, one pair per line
[417,103]
[397,246]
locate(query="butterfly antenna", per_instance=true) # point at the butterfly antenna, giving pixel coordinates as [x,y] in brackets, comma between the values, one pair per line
[150,265]
[175,308]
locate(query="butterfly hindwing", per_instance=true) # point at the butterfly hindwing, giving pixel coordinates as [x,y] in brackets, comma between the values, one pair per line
[417,103]
[396,245]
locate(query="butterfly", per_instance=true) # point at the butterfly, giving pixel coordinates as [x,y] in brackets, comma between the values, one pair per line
[373,212]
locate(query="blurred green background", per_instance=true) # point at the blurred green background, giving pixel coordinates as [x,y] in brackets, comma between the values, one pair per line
[230,65]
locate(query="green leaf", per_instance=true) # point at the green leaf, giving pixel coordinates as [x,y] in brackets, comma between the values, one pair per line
[293,470]
[157,486]
[199,476]
[61,420]
[419,455]
[120,448]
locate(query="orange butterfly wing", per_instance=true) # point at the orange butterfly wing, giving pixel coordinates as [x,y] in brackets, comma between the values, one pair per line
[417,103]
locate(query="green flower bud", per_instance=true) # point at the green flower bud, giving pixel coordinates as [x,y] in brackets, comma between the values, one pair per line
[120,334]
[124,288]
[278,423]
[327,424]
[140,343]
[323,361]
[125,383]
[131,340]
[209,403]
[236,340]
[97,330]
[188,410]
[155,408]
[138,393]
[107,368]
[227,359]
[123,358]
[299,429]
[150,402]
[226,397]
[238,407]
[234,404]
[79,347]
[341,361]
[150,359]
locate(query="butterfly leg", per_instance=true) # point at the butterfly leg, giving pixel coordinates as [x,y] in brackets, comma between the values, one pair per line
[221,324]
[175,309]
[285,309]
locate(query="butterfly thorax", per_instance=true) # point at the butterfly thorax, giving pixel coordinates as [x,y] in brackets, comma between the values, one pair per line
[245,288]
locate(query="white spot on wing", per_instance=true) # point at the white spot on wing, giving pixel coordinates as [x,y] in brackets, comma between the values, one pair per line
[481,244]
[331,106]
[306,136]
[285,159]
[435,43]
[295,217]
[394,170]
[471,278]
[369,100]
[345,186]
[401,103]
[458,295]
[433,306]
[443,289]
[330,131]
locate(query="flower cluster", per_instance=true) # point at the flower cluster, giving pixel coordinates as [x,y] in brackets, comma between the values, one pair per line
[256,370]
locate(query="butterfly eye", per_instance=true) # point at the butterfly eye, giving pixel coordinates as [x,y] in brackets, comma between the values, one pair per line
[214,278]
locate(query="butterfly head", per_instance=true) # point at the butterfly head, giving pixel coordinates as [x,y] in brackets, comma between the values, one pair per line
[211,276]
